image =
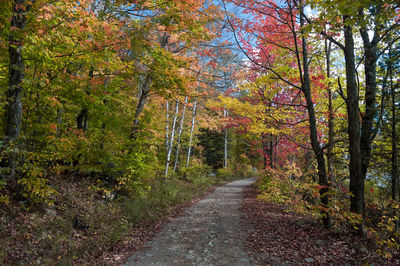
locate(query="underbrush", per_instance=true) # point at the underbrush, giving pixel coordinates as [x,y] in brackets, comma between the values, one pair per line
[300,193]
[163,195]
[86,219]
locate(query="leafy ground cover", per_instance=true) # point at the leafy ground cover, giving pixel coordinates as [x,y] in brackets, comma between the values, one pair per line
[285,237]
[85,227]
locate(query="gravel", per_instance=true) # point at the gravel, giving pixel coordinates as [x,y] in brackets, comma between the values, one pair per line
[210,232]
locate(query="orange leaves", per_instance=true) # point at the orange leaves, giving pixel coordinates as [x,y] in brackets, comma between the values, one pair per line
[54,102]
[53,127]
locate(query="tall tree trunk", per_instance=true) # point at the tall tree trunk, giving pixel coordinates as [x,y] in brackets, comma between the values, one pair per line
[103,124]
[225,141]
[171,142]
[268,148]
[395,156]
[145,89]
[16,75]
[81,124]
[144,93]
[331,123]
[191,134]
[264,149]
[60,112]
[370,54]
[178,141]
[81,119]
[274,151]
[355,165]
[394,152]
[167,127]
[271,153]
[306,87]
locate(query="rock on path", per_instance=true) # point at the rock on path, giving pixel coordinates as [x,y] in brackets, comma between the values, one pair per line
[208,233]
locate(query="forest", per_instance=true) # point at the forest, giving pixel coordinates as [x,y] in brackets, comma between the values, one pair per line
[114,112]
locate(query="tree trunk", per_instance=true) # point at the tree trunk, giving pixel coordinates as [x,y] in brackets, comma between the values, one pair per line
[103,124]
[225,141]
[370,54]
[171,143]
[264,149]
[355,165]
[60,112]
[81,119]
[16,75]
[178,141]
[145,89]
[143,94]
[167,127]
[331,124]
[191,134]
[271,154]
[81,124]
[268,148]
[395,156]
[306,87]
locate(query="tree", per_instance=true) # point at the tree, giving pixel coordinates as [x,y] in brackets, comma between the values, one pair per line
[283,27]
[360,128]
[15,89]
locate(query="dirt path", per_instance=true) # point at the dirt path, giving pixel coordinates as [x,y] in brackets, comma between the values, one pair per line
[208,233]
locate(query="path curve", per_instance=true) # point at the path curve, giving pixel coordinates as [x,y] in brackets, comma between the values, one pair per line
[208,233]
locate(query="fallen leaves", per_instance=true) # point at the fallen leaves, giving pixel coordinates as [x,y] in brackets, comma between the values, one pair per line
[281,237]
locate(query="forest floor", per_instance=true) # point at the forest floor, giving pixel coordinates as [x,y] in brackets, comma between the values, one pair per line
[205,225]
[282,237]
[83,227]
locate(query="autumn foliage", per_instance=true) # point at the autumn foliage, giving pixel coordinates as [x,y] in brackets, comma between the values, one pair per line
[123,99]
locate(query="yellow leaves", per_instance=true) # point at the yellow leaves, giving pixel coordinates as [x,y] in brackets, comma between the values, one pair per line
[4,199]
[261,118]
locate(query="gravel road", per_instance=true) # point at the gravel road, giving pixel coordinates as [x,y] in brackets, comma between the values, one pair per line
[208,233]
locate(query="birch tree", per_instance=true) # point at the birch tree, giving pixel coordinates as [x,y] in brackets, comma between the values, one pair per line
[171,142]
[226,141]
[191,133]
[167,126]
[178,141]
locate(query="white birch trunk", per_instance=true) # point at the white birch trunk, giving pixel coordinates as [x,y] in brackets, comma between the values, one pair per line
[167,128]
[172,137]
[191,133]
[178,141]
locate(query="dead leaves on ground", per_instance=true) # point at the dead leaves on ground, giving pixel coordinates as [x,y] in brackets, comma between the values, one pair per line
[281,237]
